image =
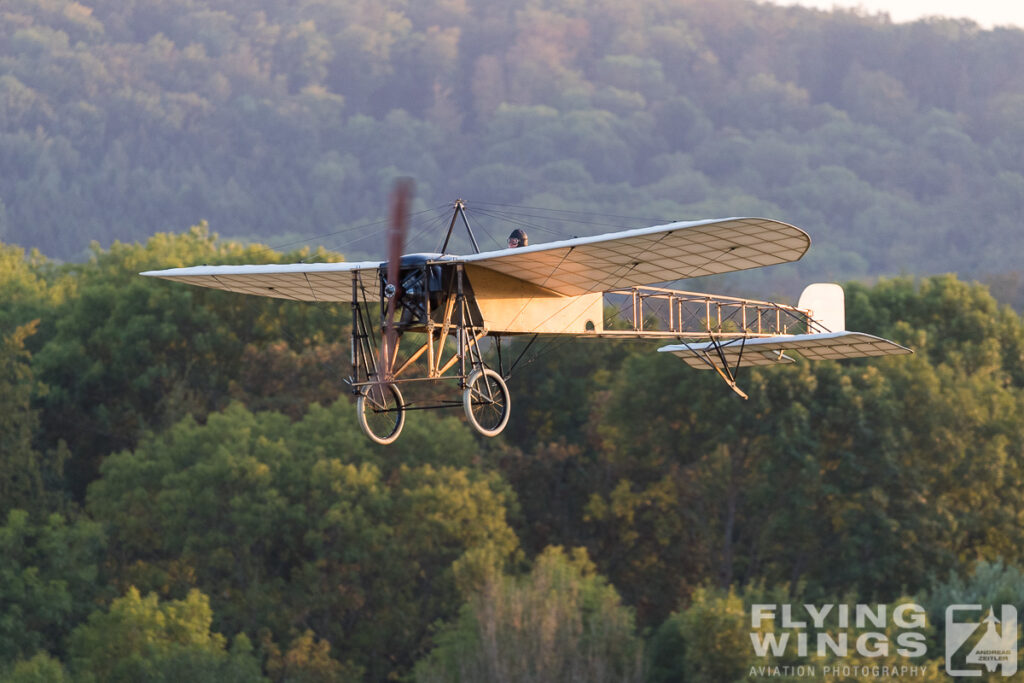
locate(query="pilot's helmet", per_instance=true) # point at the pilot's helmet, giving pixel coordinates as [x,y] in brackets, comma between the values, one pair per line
[518,238]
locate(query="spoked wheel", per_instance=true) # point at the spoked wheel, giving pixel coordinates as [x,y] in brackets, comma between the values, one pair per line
[486,401]
[381,412]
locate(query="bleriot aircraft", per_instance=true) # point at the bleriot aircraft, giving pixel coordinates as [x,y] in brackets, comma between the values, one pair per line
[445,306]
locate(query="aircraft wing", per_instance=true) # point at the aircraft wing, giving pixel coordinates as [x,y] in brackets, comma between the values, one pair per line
[647,256]
[295,281]
[581,265]
[770,350]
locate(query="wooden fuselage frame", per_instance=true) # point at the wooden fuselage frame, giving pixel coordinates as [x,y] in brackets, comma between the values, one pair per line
[469,303]
[472,303]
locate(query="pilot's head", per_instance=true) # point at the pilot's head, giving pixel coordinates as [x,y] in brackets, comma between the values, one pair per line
[518,238]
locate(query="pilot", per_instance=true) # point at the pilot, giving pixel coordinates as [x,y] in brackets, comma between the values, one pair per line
[518,238]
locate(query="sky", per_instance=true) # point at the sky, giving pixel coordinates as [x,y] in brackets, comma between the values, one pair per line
[988,13]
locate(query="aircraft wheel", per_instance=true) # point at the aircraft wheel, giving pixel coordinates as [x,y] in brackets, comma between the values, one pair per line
[381,412]
[486,401]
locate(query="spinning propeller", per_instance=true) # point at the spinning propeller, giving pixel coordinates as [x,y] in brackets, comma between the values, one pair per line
[401,198]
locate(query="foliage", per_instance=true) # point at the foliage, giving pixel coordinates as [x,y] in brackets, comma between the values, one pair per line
[986,583]
[27,477]
[341,559]
[884,461]
[290,526]
[24,287]
[141,639]
[708,641]
[276,119]
[41,668]
[49,581]
[131,354]
[308,661]
[562,622]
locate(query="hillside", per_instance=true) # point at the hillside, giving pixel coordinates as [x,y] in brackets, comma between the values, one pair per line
[899,147]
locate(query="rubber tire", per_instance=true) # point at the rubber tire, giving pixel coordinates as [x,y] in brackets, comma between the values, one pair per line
[471,390]
[363,404]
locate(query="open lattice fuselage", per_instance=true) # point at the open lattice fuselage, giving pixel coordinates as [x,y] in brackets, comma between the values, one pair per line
[504,305]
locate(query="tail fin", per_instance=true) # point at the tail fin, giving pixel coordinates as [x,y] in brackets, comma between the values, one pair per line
[827,303]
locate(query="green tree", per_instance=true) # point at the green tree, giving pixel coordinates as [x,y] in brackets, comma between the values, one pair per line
[292,527]
[141,639]
[986,583]
[27,477]
[24,290]
[823,455]
[49,581]
[132,354]
[709,641]
[562,622]
[41,668]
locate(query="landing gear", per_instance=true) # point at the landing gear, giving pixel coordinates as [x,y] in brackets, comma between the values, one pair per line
[430,300]
[486,401]
[381,412]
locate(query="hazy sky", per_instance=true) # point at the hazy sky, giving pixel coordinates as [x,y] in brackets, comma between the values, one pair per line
[988,13]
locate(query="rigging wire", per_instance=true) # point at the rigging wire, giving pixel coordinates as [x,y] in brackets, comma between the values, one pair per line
[339,246]
[376,233]
[321,312]
[497,212]
[424,229]
[651,221]
[489,235]
[514,221]
[522,219]
[557,343]
[511,216]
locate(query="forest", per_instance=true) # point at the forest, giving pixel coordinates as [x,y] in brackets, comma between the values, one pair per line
[185,493]
[268,119]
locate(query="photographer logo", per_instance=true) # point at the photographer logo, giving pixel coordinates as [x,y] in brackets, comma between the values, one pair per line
[977,642]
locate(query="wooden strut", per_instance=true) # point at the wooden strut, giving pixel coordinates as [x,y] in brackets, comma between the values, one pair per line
[446,324]
[468,342]
[411,359]
[364,355]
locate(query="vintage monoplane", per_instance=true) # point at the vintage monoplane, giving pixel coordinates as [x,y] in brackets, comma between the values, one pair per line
[450,304]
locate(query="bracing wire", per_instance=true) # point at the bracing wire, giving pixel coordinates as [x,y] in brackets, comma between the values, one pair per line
[340,246]
[512,217]
[529,217]
[490,236]
[375,233]
[651,221]
[322,311]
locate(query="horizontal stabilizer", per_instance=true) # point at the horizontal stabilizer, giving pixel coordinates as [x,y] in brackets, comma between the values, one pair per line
[770,350]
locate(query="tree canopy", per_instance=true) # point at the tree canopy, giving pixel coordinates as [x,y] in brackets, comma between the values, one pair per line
[289,120]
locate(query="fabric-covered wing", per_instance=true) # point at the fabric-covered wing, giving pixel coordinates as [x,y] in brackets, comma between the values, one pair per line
[295,281]
[646,256]
[769,350]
